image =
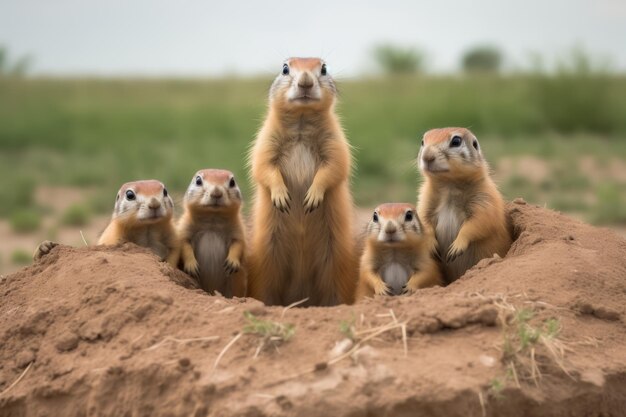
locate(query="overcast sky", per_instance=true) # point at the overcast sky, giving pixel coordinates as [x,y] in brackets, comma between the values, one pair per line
[206,37]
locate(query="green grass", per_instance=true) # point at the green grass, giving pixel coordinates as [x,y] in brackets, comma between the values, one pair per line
[101,133]
[76,215]
[25,221]
[21,257]
[270,332]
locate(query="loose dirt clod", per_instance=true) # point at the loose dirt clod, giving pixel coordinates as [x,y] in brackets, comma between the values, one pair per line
[132,336]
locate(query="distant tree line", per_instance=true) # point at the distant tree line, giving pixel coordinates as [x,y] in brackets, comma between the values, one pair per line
[13,67]
[485,59]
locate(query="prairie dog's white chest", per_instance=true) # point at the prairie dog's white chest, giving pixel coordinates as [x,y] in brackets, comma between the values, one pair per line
[299,165]
[450,218]
[210,251]
[395,275]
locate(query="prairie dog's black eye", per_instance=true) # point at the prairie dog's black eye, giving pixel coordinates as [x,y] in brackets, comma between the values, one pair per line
[198,180]
[475,144]
[165,192]
[285,69]
[422,142]
[408,217]
[324,71]
[130,195]
[232,183]
[456,142]
[375,217]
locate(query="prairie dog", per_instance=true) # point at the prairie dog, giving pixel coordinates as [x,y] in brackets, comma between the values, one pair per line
[212,233]
[143,215]
[460,201]
[302,242]
[397,257]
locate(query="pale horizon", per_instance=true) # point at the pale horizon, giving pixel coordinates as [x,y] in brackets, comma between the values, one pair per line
[153,38]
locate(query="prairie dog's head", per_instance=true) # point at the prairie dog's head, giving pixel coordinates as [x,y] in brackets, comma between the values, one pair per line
[143,202]
[303,83]
[394,223]
[451,153]
[213,190]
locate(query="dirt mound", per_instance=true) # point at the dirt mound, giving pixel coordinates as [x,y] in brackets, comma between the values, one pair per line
[114,332]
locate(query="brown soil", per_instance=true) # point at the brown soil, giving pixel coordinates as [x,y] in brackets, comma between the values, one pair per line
[114,332]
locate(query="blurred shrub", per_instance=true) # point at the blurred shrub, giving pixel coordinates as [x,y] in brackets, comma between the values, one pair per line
[76,215]
[16,193]
[17,68]
[483,59]
[579,96]
[21,257]
[611,205]
[399,60]
[25,221]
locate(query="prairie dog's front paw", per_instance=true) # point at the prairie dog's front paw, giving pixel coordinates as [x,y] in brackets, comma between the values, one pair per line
[281,198]
[313,198]
[43,249]
[457,248]
[231,265]
[190,265]
[380,288]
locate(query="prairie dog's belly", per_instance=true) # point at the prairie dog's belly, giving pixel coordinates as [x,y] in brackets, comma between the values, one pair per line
[395,275]
[210,251]
[449,222]
[298,169]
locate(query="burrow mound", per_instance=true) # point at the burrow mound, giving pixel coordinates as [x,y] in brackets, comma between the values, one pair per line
[114,332]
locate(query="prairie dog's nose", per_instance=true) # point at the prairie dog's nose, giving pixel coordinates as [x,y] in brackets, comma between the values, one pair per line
[305,81]
[154,204]
[216,193]
[390,228]
[428,156]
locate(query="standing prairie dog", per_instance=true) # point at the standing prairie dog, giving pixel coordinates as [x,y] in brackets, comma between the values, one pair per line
[302,242]
[212,233]
[460,201]
[143,215]
[397,257]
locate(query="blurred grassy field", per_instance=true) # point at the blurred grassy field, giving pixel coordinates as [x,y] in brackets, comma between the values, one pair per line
[558,141]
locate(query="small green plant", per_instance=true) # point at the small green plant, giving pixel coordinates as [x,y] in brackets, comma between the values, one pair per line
[21,257]
[25,221]
[346,327]
[496,386]
[270,332]
[76,215]
[523,341]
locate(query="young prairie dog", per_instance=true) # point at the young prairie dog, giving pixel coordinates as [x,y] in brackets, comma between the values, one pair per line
[143,215]
[302,241]
[212,233]
[397,258]
[459,201]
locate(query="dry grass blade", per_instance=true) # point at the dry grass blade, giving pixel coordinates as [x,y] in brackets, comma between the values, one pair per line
[292,305]
[83,237]
[223,352]
[375,332]
[175,340]
[17,380]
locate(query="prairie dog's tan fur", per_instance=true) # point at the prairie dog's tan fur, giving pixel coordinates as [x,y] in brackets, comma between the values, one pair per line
[302,242]
[143,215]
[212,233]
[460,201]
[397,257]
